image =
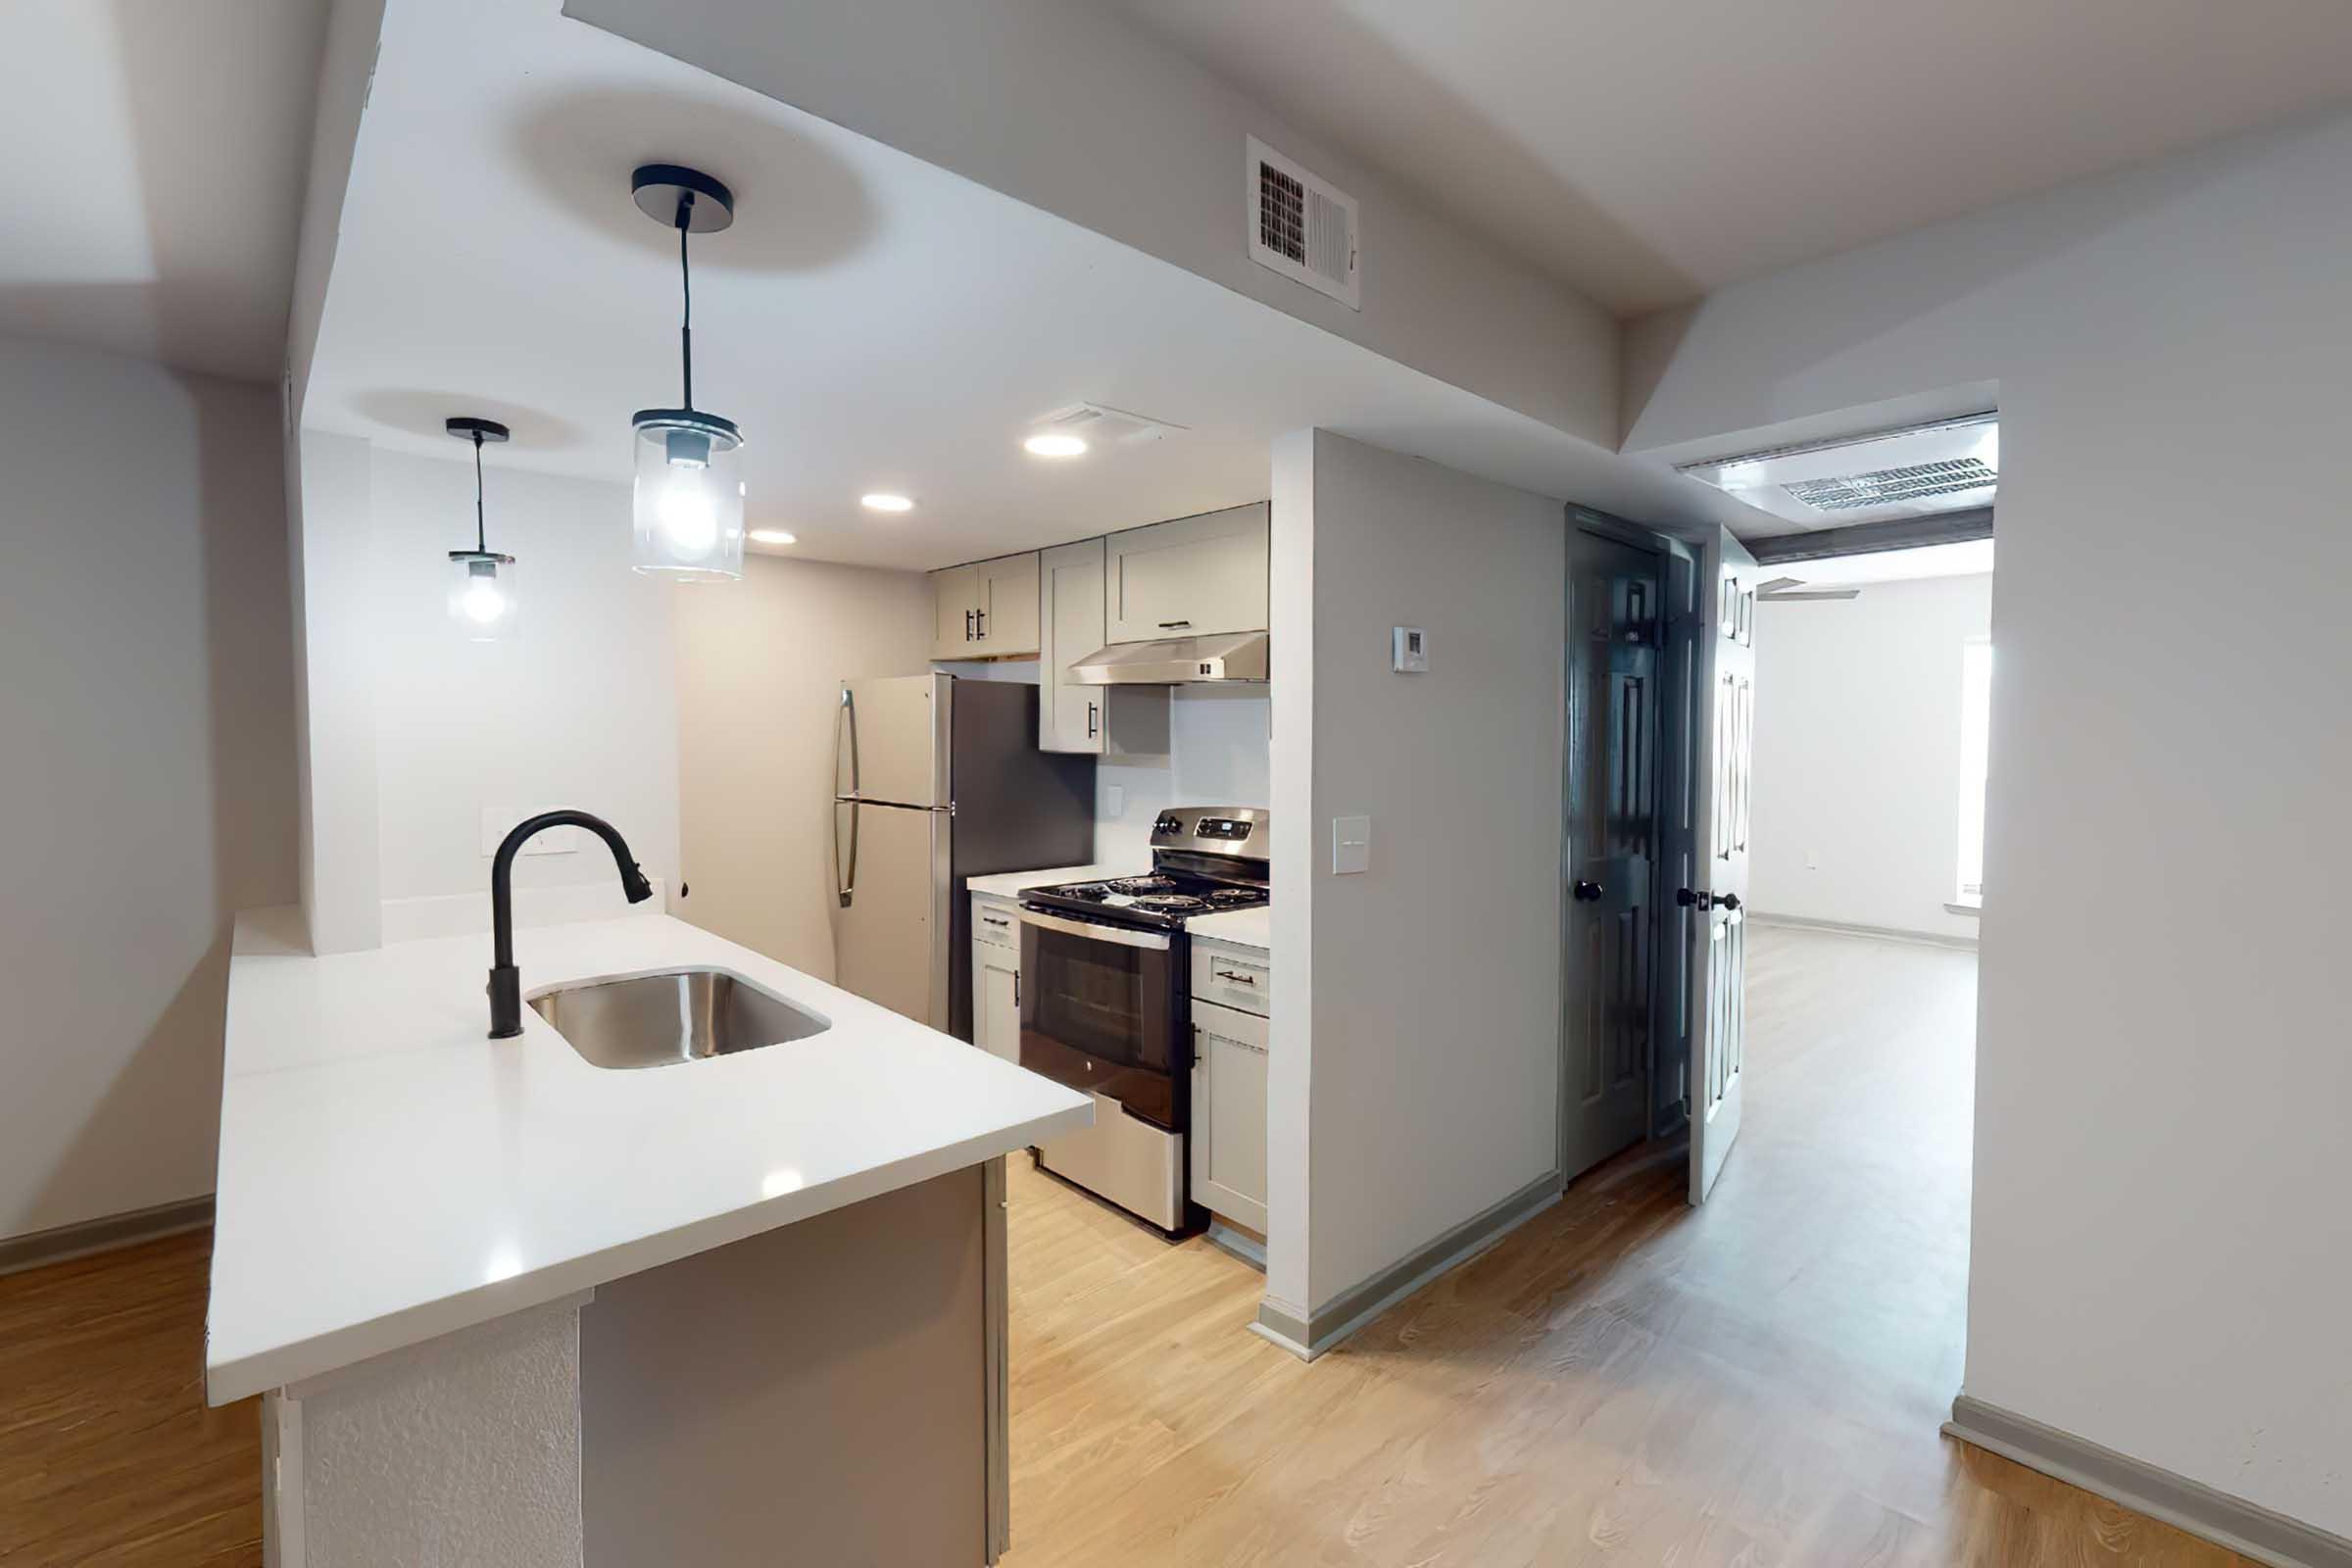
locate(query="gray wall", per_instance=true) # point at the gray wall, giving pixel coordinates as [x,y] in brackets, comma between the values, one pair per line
[2158,1261]
[1416,1049]
[149,792]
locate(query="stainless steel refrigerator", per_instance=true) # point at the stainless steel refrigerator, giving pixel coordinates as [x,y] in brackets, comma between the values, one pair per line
[936,780]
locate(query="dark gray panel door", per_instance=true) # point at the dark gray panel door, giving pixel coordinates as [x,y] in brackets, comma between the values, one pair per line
[1610,796]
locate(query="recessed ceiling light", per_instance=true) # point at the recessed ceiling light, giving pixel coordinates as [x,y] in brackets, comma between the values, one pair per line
[1054,446]
[883,501]
[773,536]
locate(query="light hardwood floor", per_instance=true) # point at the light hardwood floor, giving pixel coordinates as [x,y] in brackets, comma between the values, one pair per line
[1623,1381]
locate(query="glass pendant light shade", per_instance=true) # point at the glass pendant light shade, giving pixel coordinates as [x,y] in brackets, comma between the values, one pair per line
[688,502]
[483,603]
[689,495]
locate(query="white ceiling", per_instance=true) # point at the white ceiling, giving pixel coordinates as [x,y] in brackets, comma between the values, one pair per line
[873,321]
[1967,559]
[156,156]
[1645,154]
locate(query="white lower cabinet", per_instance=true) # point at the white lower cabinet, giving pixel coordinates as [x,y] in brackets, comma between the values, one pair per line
[995,978]
[1229,1113]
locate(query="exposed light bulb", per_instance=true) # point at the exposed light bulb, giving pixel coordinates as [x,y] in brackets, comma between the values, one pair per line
[687,514]
[484,601]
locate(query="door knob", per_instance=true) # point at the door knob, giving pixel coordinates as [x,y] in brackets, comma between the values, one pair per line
[1588,892]
[1693,898]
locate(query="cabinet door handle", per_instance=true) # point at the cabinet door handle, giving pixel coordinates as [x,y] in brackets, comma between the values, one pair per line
[1234,976]
[1171,625]
[995,921]
[1090,721]
[967,625]
[983,614]
[1016,988]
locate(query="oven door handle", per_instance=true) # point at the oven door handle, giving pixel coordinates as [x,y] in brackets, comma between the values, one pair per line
[1124,935]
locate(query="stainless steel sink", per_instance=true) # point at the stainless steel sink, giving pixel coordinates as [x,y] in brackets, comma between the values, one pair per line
[681,1016]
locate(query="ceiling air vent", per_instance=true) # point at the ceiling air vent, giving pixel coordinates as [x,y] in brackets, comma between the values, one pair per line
[1301,227]
[1915,472]
[1099,424]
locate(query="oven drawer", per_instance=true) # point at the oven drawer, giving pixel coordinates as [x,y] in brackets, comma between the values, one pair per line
[1233,976]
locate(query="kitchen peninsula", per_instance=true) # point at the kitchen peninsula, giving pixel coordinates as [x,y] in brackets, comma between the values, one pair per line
[509,1306]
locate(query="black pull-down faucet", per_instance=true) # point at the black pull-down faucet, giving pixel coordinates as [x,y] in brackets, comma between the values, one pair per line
[505,981]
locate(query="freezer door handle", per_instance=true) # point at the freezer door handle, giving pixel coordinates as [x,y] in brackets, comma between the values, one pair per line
[844,743]
[848,865]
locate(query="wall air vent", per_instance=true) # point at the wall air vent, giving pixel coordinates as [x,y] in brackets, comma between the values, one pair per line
[1915,471]
[1301,226]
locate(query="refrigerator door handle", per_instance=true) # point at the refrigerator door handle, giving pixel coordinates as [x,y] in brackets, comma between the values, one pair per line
[847,891]
[845,733]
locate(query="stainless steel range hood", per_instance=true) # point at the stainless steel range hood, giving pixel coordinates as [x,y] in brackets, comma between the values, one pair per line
[1176,661]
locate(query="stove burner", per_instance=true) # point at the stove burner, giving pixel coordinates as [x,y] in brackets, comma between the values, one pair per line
[1172,903]
[1143,884]
[1092,892]
[1237,895]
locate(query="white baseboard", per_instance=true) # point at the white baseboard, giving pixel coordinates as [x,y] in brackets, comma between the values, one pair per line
[1844,929]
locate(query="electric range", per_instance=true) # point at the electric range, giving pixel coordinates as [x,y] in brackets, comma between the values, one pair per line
[1106,1002]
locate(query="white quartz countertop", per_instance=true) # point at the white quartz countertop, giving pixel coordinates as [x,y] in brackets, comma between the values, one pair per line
[389,1174]
[1248,928]
[1012,884]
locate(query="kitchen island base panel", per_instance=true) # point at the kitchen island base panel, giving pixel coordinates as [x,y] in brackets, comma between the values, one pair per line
[464,1448]
[821,1392]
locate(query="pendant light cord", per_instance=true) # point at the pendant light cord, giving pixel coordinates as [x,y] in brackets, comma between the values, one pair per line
[686,289]
[481,541]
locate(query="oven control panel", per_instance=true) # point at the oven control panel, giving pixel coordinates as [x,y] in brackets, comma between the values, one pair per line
[1237,830]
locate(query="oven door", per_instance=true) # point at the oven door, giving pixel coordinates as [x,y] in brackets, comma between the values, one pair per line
[1099,1011]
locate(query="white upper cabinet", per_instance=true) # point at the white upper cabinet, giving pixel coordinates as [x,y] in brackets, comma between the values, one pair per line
[987,609]
[1103,720]
[1191,577]
[955,605]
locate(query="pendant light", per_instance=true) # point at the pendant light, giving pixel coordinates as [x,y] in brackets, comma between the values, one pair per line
[481,586]
[688,501]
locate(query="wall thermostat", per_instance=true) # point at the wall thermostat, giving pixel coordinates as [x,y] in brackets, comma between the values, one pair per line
[1410,651]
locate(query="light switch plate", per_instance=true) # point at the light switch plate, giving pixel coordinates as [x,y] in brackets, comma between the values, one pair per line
[499,820]
[1351,845]
[1408,652]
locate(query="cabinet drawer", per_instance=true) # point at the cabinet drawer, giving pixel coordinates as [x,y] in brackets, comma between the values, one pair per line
[1233,978]
[995,922]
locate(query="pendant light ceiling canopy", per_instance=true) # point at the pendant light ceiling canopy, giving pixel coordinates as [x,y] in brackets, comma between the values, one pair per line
[481,590]
[688,501]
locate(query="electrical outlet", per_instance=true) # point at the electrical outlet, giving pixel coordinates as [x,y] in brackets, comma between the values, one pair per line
[499,820]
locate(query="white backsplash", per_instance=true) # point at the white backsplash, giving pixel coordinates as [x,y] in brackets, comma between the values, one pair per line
[1217,741]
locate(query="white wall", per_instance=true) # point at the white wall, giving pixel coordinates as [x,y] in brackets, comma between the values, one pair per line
[1217,738]
[1416,1046]
[581,709]
[2159,1258]
[149,790]
[1858,805]
[760,667]
[1080,112]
